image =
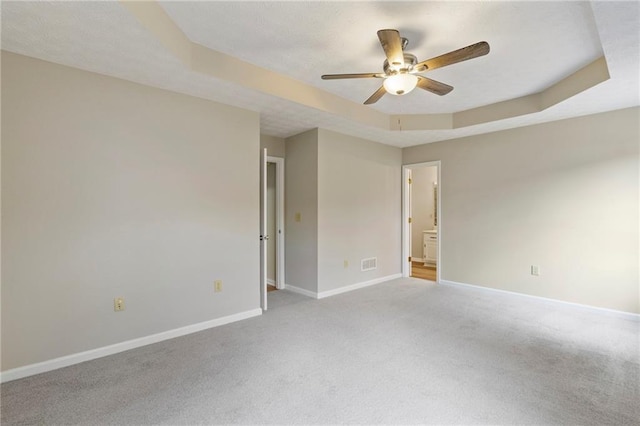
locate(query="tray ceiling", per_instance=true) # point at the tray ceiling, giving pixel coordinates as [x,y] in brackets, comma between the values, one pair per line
[534,45]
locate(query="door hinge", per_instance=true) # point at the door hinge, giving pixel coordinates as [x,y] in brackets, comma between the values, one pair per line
[410,181]
[409,220]
[409,258]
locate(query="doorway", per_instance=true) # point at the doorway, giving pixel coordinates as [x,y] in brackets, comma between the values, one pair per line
[272,277]
[421,221]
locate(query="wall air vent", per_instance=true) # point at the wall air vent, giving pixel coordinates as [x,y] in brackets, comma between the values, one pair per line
[369,264]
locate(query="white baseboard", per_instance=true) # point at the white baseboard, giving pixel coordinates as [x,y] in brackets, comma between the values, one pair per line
[611,312]
[271,282]
[340,290]
[301,291]
[65,361]
[416,259]
[357,286]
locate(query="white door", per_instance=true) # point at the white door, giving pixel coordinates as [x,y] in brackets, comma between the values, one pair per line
[410,220]
[406,221]
[279,232]
[263,229]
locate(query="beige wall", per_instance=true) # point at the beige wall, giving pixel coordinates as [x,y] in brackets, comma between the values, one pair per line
[421,205]
[301,196]
[110,189]
[561,195]
[275,146]
[359,214]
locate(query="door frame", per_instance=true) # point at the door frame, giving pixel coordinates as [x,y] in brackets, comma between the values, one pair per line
[263,229]
[406,213]
[279,162]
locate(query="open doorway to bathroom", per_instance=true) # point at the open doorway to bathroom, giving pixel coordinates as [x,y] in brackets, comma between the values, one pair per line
[421,239]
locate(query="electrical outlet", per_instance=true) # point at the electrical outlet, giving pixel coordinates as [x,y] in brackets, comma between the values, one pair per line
[346,263]
[118,304]
[535,270]
[217,286]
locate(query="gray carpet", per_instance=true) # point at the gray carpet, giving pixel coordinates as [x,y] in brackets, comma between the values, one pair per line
[405,351]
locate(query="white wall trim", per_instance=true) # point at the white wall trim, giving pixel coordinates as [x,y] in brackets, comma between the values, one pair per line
[610,312]
[340,290]
[271,282]
[357,286]
[301,291]
[65,361]
[416,259]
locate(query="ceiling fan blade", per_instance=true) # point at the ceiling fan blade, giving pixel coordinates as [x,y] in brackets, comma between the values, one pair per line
[392,45]
[469,52]
[433,86]
[376,96]
[362,75]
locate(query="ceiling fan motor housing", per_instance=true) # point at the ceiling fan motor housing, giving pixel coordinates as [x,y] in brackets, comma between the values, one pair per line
[409,62]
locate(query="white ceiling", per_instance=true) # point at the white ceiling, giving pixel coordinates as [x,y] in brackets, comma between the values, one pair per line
[533,46]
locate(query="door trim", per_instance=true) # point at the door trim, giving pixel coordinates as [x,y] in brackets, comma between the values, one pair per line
[263,229]
[406,213]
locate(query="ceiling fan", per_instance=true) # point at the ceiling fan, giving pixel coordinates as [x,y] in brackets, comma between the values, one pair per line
[401,69]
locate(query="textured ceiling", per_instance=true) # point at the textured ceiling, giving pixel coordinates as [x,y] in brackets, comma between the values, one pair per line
[533,46]
[305,40]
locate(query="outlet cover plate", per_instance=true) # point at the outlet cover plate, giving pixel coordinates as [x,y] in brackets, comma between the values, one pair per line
[118,304]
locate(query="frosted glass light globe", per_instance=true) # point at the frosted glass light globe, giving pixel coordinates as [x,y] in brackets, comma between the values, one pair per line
[400,84]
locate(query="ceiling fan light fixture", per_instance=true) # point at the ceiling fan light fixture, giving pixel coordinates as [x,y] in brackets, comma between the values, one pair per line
[400,67]
[400,84]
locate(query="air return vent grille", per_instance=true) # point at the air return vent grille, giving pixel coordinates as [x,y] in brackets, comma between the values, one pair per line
[369,264]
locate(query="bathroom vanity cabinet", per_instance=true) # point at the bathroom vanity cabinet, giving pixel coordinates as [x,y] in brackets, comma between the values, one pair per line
[430,247]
